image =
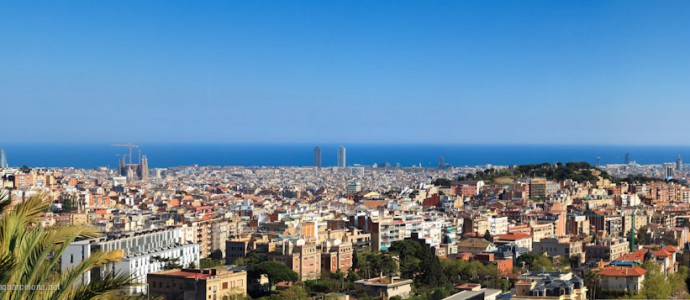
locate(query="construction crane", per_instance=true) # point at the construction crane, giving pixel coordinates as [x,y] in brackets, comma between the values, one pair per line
[632,228]
[130,145]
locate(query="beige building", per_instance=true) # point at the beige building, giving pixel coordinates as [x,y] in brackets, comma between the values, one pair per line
[563,247]
[549,285]
[475,245]
[542,230]
[385,287]
[608,249]
[209,234]
[477,225]
[194,284]
[360,241]
[304,259]
[523,240]
[622,278]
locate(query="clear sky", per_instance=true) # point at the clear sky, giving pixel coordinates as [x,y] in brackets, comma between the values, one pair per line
[561,72]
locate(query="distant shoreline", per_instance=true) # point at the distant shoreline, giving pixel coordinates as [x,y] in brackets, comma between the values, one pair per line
[163,155]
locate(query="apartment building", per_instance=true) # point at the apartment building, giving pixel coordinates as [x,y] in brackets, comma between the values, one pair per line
[210,234]
[564,247]
[140,249]
[542,230]
[195,284]
[549,285]
[305,259]
[608,249]
[336,255]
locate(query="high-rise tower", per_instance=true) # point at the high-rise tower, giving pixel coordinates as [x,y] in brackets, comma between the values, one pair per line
[144,168]
[317,157]
[342,157]
[679,163]
[669,170]
[628,158]
[3,159]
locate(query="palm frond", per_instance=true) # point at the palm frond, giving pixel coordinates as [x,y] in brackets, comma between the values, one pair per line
[69,277]
[30,254]
[61,237]
[4,200]
[106,287]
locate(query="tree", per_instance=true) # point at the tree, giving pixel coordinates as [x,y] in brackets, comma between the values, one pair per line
[252,258]
[642,235]
[678,288]
[206,263]
[487,236]
[655,285]
[275,271]
[431,274]
[68,203]
[591,280]
[168,263]
[536,262]
[408,252]
[444,182]
[453,268]
[30,255]
[371,263]
[320,286]
[216,254]
[504,285]
[419,261]
[296,292]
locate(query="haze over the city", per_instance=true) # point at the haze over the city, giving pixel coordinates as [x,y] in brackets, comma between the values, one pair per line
[582,72]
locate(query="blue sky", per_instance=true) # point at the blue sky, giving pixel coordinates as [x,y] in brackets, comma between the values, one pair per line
[554,72]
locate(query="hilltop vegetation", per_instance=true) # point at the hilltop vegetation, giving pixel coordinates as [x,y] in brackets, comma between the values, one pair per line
[576,171]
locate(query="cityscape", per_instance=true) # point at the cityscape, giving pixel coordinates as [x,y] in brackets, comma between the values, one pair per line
[344,150]
[573,230]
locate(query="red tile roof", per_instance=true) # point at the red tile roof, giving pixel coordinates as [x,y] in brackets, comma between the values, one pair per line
[635,256]
[671,249]
[188,274]
[513,236]
[614,271]
[661,253]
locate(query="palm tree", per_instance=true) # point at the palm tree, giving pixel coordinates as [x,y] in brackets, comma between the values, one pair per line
[29,257]
[592,282]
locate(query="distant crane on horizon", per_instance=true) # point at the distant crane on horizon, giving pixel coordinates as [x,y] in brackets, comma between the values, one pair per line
[130,145]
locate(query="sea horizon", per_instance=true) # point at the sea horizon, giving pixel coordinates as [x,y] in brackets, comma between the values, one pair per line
[163,155]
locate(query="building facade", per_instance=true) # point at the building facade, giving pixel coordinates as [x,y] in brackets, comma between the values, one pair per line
[141,250]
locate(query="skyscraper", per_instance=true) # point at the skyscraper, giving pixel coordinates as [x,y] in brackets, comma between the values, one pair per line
[317,157]
[342,157]
[441,162]
[679,163]
[669,170]
[3,159]
[628,158]
[144,168]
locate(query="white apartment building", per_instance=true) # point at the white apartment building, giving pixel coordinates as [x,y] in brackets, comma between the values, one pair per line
[498,225]
[140,248]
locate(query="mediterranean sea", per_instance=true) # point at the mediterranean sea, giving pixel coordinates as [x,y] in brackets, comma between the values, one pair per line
[171,155]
